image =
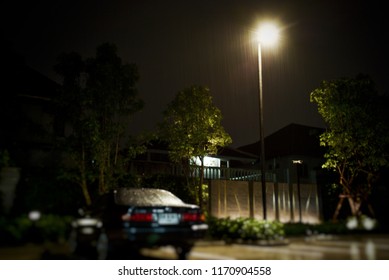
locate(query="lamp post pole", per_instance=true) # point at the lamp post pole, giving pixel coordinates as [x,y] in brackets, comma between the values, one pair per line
[268,35]
[261,134]
[298,164]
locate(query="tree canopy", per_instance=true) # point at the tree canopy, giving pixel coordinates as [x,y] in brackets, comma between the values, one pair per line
[357,137]
[98,97]
[192,126]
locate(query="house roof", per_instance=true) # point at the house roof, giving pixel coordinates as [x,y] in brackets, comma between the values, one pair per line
[293,139]
[35,85]
[237,154]
[223,152]
[22,81]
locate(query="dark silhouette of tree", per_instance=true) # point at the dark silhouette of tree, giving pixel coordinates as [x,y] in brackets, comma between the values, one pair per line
[98,98]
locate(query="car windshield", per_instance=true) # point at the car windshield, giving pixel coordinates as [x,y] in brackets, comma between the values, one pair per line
[146,197]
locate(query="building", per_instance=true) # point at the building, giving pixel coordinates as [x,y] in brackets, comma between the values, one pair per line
[293,158]
[28,124]
[293,147]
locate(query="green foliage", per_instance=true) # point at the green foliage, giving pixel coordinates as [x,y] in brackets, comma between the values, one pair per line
[98,98]
[13,231]
[45,191]
[357,137]
[357,134]
[20,230]
[204,196]
[246,229]
[4,158]
[301,229]
[351,225]
[224,228]
[262,230]
[192,128]
[192,125]
[53,227]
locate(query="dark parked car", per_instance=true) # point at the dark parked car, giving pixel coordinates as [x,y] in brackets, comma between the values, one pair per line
[156,217]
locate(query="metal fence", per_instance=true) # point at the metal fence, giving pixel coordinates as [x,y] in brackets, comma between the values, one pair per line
[236,192]
[210,173]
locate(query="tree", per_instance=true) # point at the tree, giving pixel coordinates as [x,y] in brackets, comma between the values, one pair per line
[192,128]
[357,137]
[98,98]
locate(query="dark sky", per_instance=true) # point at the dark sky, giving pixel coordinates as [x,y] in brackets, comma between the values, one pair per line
[177,43]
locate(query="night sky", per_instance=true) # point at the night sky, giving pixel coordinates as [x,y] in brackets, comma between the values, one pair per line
[180,43]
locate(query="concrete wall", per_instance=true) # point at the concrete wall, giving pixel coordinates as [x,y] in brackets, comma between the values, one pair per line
[244,199]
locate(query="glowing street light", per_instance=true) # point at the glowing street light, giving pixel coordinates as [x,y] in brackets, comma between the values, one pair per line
[267,36]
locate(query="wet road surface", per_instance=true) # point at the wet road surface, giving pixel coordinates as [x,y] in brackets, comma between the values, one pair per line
[324,247]
[317,248]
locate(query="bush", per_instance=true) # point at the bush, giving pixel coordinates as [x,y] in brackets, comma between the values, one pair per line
[246,229]
[21,229]
[46,191]
[13,231]
[262,230]
[53,227]
[218,228]
[295,229]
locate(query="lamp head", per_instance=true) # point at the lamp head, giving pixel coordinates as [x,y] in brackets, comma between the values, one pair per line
[268,34]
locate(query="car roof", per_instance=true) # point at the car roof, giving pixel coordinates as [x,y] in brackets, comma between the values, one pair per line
[147,197]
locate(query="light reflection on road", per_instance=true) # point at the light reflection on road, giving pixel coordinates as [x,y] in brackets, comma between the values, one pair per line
[324,247]
[321,248]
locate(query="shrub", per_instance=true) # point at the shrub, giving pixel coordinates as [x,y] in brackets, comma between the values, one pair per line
[53,227]
[218,228]
[262,230]
[247,229]
[13,232]
[294,229]
[20,230]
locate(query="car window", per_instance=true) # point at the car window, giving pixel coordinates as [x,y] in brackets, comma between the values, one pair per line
[146,197]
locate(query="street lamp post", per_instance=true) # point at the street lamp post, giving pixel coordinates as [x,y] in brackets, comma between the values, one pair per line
[261,134]
[267,35]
